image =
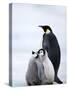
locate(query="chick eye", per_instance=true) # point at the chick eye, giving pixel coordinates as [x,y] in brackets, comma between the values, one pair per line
[41,52]
[34,55]
[33,52]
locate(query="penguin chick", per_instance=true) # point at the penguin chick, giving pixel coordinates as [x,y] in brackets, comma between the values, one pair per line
[49,72]
[35,70]
[40,69]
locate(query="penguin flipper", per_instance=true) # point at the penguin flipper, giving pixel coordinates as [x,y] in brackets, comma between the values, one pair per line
[58,80]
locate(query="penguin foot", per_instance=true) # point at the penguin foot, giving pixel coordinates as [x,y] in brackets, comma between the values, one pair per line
[58,80]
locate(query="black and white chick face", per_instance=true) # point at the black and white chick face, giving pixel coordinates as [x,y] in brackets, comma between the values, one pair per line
[41,54]
[35,54]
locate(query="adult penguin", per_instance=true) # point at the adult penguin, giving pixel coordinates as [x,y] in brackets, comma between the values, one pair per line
[50,43]
[49,73]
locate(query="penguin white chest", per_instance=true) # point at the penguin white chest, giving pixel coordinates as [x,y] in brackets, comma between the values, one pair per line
[48,70]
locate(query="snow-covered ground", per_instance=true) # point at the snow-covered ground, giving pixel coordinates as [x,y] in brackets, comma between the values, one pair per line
[27,36]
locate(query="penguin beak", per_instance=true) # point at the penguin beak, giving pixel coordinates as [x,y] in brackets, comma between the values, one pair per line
[46,28]
[42,28]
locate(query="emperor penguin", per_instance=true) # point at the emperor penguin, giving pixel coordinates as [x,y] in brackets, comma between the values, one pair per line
[34,70]
[50,43]
[40,69]
[49,73]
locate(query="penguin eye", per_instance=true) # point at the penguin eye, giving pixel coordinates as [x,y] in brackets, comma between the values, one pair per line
[33,52]
[41,53]
[47,31]
[35,55]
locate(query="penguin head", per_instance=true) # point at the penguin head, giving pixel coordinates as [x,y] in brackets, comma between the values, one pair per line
[46,29]
[41,52]
[35,54]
